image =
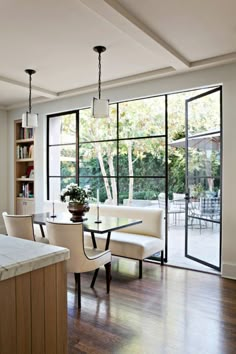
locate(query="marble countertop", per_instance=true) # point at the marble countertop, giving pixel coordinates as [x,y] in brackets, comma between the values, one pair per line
[18,256]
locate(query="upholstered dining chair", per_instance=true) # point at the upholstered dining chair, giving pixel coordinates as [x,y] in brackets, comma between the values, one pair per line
[21,226]
[82,259]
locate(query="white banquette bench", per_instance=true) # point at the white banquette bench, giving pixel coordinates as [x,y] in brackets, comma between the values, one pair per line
[136,242]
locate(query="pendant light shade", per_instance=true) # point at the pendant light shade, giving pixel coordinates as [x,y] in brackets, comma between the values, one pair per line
[100,107]
[29,119]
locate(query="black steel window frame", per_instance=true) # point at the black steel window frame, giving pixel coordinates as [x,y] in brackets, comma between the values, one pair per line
[165,135]
[117,139]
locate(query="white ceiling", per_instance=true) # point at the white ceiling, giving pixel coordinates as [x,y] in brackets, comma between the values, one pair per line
[144,39]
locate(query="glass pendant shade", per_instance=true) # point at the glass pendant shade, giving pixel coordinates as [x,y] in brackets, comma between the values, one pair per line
[29,120]
[100,108]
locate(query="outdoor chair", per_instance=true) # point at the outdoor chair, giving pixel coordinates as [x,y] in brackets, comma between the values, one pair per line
[207,209]
[21,226]
[82,259]
[175,207]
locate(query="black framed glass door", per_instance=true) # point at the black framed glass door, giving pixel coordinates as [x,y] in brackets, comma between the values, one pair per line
[203,178]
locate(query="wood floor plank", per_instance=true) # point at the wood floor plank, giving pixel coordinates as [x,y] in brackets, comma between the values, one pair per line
[169,311]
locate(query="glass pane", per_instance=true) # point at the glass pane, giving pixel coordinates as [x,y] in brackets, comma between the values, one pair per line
[62,160]
[107,188]
[56,185]
[95,129]
[144,117]
[176,113]
[204,187]
[62,129]
[142,157]
[140,191]
[97,159]
[204,114]
[204,163]
[204,241]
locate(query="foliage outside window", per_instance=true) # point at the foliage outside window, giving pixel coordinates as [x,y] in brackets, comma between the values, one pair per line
[125,155]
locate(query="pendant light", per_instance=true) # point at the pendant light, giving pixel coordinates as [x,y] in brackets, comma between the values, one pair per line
[29,119]
[100,107]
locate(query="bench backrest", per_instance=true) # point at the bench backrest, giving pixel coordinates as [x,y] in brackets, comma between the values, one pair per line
[152,218]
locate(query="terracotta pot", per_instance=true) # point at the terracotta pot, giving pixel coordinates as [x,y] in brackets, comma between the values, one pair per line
[77,210]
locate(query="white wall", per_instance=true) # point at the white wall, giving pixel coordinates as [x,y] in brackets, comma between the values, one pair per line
[4,186]
[225,75]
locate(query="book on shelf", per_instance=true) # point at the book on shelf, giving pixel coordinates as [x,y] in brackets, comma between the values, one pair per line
[28,171]
[22,152]
[31,151]
[26,133]
[27,192]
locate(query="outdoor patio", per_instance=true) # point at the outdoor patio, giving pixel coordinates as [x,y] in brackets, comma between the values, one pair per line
[203,244]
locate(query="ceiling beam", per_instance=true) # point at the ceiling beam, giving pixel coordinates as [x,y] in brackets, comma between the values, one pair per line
[35,89]
[119,17]
[218,60]
[119,82]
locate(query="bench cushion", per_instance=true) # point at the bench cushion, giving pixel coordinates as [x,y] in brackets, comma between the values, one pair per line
[128,245]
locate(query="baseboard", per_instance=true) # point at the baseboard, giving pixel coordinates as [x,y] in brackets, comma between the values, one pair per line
[229,271]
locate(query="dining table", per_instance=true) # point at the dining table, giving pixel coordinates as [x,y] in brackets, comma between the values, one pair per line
[105,225]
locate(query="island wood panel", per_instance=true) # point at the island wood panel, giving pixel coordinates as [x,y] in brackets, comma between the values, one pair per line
[23,314]
[38,311]
[33,314]
[61,277]
[51,310]
[8,316]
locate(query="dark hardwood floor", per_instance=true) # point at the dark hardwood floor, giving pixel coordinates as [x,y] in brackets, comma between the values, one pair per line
[169,311]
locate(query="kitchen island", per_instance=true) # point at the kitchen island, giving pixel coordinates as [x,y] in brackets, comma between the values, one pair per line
[33,299]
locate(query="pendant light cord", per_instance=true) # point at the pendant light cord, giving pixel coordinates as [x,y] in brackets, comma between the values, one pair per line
[99,75]
[30,79]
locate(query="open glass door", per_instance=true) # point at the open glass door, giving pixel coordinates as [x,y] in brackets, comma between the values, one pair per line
[203,178]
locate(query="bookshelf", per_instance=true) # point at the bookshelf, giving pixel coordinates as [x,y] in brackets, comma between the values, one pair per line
[24,169]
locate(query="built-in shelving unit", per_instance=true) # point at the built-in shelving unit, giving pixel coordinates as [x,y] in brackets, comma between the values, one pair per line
[24,169]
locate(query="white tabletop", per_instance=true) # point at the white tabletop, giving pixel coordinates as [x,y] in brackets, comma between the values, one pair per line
[18,256]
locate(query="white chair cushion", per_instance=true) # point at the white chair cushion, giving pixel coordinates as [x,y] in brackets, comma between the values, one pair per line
[93,253]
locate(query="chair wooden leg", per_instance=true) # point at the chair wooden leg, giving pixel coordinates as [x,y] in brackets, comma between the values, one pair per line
[77,281]
[108,276]
[140,269]
[94,278]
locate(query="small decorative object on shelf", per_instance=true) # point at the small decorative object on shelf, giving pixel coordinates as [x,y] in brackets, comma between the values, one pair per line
[78,200]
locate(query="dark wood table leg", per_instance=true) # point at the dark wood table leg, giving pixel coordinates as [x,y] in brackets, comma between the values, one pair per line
[108,240]
[95,246]
[96,270]
[94,240]
[42,230]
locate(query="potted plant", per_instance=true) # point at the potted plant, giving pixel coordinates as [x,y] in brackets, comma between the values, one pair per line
[77,198]
[197,191]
